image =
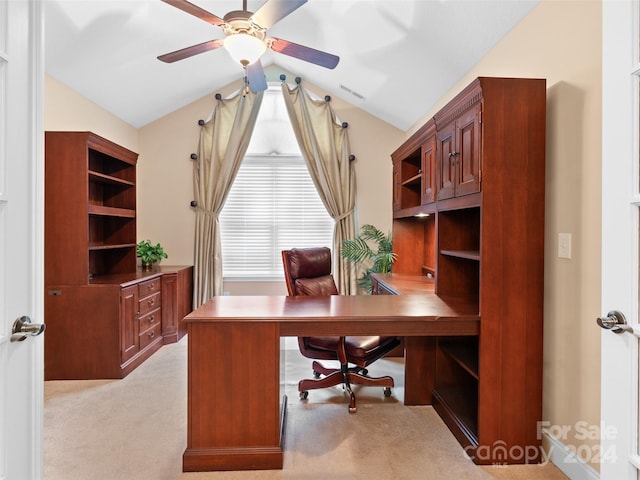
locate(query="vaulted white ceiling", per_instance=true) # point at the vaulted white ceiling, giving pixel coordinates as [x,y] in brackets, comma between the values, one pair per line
[397,57]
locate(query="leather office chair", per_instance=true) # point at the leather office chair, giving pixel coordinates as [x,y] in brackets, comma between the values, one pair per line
[307,271]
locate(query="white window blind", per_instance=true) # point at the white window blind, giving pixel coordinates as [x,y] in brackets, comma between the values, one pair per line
[273,205]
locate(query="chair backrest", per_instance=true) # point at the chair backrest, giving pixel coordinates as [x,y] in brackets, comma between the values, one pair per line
[307,271]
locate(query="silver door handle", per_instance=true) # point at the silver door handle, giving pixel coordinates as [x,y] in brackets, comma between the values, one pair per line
[23,328]
[616,322]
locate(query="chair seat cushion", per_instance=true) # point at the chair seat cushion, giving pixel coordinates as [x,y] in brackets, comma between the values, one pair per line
[365,347]
[357,347]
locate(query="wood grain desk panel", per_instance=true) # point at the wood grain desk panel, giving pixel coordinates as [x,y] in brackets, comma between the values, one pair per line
[234,410]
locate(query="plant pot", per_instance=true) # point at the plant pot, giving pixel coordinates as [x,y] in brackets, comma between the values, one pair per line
[147,267]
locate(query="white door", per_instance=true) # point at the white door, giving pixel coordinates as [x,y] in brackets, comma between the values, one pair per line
[21,237]
[620,207]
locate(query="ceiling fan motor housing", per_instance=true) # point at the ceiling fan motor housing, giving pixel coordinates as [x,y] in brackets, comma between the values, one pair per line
[239,21]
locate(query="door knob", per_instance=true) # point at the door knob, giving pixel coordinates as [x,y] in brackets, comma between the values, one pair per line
[23,328]
[614,321]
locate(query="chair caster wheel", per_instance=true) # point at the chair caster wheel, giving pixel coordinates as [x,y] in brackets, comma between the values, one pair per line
[352,401]
[304,394]
[387,392]
[316,374]
[365,372]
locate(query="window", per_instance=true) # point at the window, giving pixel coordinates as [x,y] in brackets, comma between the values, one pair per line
[273,204]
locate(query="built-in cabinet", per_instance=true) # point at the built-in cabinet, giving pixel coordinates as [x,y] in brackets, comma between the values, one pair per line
[458,157]
[480,238]
[104,316]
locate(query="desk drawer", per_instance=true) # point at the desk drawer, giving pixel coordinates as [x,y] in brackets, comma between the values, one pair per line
[145,305]
[150,335]
[150,320]
[149,287]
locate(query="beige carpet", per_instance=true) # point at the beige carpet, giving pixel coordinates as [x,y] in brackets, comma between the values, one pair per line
[135,429]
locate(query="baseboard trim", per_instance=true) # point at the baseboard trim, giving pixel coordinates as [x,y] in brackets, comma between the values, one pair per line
[233,458]
[567,461]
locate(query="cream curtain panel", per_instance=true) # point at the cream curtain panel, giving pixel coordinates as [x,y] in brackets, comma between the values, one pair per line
[324,143]
[224,139]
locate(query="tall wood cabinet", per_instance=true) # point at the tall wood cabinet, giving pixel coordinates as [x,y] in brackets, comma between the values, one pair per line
[482,238]
[104,316]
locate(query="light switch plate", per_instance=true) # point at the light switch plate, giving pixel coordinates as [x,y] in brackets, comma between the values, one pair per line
[564,245]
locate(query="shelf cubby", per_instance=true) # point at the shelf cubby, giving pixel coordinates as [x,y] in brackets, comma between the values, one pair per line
[101,163]
[456,388]
[463,351]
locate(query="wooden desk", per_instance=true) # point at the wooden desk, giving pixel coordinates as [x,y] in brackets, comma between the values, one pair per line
[235,415]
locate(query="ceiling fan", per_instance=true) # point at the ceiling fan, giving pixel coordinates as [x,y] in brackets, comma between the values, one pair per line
[246,40]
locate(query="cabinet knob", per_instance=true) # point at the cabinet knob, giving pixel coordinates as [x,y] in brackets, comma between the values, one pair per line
[151,301]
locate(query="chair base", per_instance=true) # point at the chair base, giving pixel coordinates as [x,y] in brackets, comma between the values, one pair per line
[347,376]
[319,369]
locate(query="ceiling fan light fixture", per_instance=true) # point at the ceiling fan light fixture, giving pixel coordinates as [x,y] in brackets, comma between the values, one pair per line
[244,48]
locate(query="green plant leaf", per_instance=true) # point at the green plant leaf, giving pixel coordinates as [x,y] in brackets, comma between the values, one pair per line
[373,260]
[149,253]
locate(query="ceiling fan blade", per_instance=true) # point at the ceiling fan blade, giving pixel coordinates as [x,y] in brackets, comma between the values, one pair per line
[273,11]
[307,54]
[190,51]
[195,11]
[255,77]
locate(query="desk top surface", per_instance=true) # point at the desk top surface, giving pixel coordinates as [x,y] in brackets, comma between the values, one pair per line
[346,314]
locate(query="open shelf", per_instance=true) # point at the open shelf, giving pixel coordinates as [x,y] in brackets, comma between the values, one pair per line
[462,351]
[456,414]
[111,247]
[468,254]
[120,166]
[111,211]
[414,181]
[455,395]
[101,177]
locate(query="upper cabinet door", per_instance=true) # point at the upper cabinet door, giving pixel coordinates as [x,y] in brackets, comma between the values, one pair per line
[459,155]
[429,171]
[468,150]
[446,175]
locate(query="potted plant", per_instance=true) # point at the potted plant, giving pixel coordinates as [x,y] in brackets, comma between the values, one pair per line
[378,259]
[149,253]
